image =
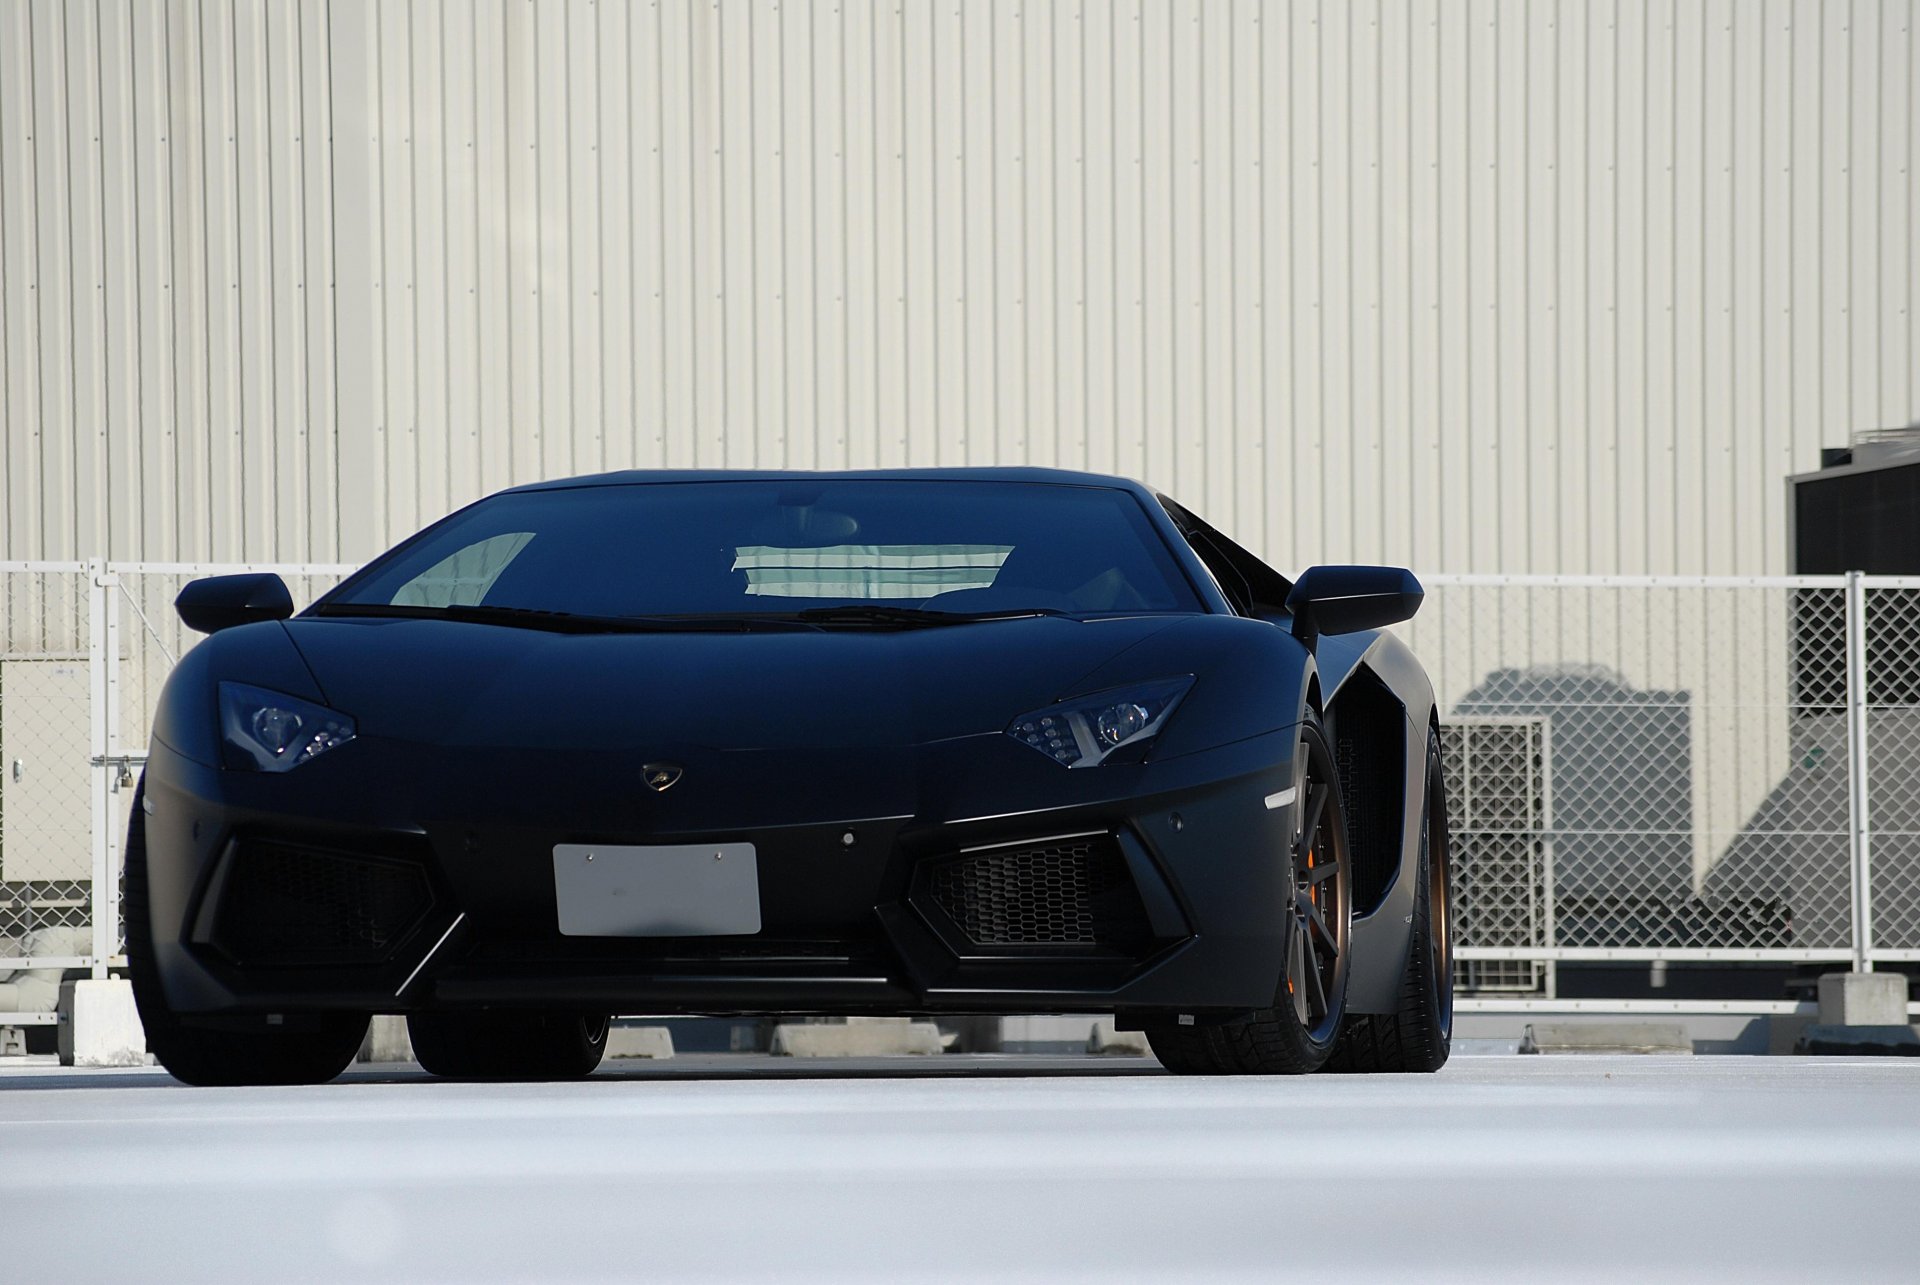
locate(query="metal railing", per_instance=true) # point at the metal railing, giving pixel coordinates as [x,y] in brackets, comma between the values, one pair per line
[1717,769]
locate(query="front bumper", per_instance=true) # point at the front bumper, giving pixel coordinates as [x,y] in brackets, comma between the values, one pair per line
[861,860]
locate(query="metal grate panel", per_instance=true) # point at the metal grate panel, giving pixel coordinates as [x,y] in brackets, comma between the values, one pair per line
[1065,892]
[285,904]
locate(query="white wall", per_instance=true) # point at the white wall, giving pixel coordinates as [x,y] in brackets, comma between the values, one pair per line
[1487,286]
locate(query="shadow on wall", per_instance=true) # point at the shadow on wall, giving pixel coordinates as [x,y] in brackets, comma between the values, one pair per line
[1622,829]
[1622,798]
[1622,825]
[1799,833]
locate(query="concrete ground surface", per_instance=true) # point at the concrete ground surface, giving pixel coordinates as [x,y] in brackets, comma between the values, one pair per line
[970,1168]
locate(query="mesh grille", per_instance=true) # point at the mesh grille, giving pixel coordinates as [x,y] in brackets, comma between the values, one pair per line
[1069,892]
[295,905]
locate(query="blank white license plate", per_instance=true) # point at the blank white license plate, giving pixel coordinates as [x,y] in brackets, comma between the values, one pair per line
[665,890]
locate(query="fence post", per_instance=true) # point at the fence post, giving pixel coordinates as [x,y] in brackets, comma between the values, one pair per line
[114,772]
[101,894]
[1859,827]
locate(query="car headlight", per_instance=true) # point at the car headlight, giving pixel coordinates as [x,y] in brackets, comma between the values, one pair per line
[1086,731]
[270,731]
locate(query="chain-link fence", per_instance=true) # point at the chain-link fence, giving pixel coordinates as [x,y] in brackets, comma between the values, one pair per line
[46,849]
[1667,769]
[1639,769]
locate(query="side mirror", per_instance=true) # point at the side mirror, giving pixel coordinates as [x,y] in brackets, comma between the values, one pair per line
[1345,600]
[221,602]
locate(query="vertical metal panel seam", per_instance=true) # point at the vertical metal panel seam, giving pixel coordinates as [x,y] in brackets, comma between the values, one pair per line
[1207,253]
[7,322]
[660,232]
[412,443]
[813,239]
[205,339]
[34,282]
[73,428]
[719,235]
[171,269]
[632,232]
[103,516]
[275,527]
[1439,327]
[1026,312]
[1113,200]
[1352,288]
[827,155]
[565,95]
[1172,240]
[933,207]
[1062,239]
[844,427]
[449,488]
[632,235]
[136,429]
[749,361]
[600,431]
[1706,472]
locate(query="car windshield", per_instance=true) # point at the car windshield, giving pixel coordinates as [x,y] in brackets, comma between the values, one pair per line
[782,547]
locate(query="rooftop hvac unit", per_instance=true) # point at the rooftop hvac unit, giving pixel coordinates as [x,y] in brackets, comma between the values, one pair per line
[1499,808]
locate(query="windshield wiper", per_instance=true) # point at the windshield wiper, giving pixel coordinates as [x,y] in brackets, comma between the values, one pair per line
[561,622]
[913,617]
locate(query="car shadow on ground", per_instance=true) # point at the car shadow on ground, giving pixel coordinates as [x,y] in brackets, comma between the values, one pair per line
[686,1066]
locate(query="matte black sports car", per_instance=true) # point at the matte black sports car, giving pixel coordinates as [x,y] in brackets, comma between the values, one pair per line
[928,742]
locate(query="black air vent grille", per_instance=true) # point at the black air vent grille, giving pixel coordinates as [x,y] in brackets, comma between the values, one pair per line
[288,904]
[1072,893]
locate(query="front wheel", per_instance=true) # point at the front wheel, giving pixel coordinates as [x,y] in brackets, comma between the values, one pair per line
[310,1050]
[509,1045]
[1299,1032]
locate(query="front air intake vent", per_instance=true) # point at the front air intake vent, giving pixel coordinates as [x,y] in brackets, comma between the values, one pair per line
[1069,894]
[287,904]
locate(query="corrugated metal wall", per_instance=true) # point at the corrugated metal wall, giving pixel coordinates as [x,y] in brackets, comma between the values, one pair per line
[1494,286]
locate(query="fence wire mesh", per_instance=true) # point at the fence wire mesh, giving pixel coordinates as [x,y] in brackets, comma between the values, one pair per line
[1687,786]
[1893,763]
[46,835]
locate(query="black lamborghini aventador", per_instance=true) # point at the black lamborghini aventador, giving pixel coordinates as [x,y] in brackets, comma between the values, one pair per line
[928,742]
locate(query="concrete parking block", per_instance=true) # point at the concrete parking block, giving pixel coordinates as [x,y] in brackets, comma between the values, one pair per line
[639,1041]
[885,1036]
[99,1025]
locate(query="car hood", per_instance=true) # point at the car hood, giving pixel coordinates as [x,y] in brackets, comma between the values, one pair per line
[454,683]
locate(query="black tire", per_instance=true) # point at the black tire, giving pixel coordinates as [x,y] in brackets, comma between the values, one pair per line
[510,1045]
[312,1053]
[1420,1036]
[1299,1032]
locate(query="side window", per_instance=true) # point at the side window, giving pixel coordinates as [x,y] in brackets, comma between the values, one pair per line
[1232,584]
[462,580]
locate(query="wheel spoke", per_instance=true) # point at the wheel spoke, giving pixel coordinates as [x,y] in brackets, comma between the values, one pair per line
[1299,969]
[1322,873]
[1317,793]
[1310,915]
[1316,990]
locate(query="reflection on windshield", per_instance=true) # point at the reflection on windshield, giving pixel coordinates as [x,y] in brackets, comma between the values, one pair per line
[773,548]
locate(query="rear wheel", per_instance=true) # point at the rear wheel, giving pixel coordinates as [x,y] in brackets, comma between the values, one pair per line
[1419,1036]
[316,1048]
[1298,1033]
[510,1045]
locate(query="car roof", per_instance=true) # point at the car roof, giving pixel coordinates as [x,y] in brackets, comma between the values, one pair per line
[645,477]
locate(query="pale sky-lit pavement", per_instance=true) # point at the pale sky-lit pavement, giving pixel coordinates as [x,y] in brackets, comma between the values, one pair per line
[973,1167]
